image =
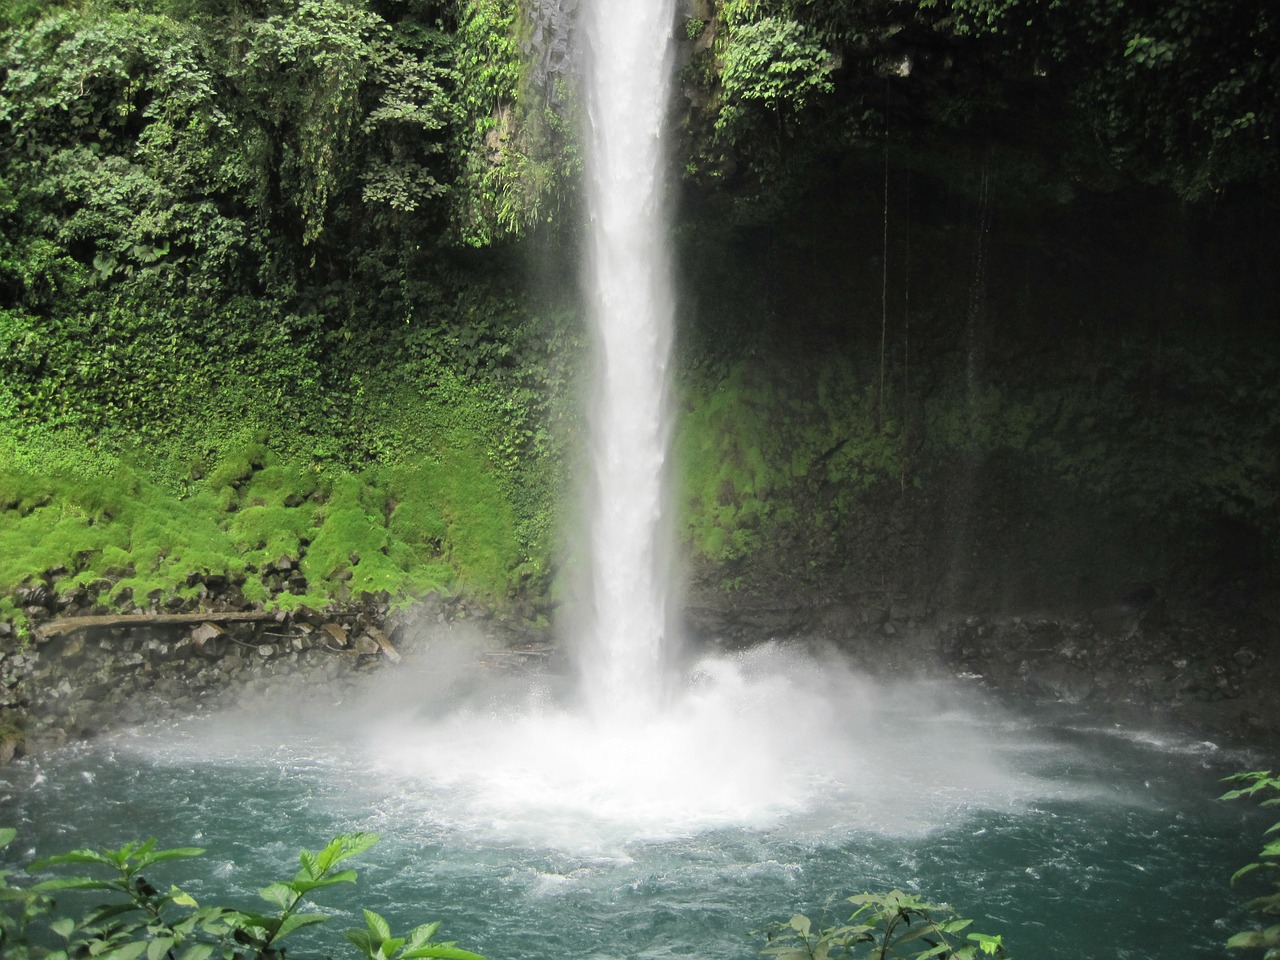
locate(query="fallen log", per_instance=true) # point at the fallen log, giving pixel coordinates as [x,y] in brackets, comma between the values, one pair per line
[57,628]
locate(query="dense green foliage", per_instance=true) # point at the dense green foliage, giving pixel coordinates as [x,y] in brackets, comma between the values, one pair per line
[234,293]
[1090,96]
[140,920]
[884,925]
[1260,783]
[264,285]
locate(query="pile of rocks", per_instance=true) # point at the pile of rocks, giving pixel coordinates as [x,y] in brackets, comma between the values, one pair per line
[81,667]
[1211,674]
[1218,677]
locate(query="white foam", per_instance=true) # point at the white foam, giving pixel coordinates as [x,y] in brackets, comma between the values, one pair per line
[754,740]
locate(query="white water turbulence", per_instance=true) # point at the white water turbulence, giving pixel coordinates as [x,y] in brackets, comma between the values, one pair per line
[782,741]
[628,72]
[748,741]
[781,738]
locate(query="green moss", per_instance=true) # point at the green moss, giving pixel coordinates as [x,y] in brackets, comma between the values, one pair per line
[437,514]
[770,451]
[349,539]
[264,534]
[282,484]
[725,475]
[453,508]
[234,471]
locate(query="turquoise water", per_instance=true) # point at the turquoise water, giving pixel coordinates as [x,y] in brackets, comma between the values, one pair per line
[532,836]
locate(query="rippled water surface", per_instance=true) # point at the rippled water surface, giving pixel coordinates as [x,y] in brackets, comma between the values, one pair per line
[777,781]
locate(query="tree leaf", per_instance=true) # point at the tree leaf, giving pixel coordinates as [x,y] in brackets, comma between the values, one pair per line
[441,951]
[74,856]
[303,886]
[63,927]
[162,856]
[129,951]
[281,894]
[182,898]
[422,935]
[75,883]
[1246,869]
[377,926]
[367,944]
[296,921]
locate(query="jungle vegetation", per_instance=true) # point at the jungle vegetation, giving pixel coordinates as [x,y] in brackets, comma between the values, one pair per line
[286,274]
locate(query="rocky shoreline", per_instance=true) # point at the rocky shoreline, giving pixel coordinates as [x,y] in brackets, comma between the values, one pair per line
[84,670]
[1201,673]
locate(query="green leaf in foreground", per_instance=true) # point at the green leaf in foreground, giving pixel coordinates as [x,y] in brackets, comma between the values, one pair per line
[1259,784]
[134,919]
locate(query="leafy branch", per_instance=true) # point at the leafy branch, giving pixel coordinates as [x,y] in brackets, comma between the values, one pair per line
[140,920]
[883,926]
[1254,784]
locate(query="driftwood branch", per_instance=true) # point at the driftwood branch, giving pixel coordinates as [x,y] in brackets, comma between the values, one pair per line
[56,628]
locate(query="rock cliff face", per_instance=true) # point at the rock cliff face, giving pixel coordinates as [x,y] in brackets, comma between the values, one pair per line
[1203,674]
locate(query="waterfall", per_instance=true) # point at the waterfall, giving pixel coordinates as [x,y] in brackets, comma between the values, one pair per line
[627,80]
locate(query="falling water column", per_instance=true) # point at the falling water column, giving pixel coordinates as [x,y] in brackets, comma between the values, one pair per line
[628,69]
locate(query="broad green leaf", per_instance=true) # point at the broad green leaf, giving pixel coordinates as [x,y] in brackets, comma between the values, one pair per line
[197,951]
[341,847]
[440,951]
[75,883]
[1266,905]
[182,898]
[367,945]
[283,895]
[989,944]
[915,933]
[303,886]
[162,856]
[801,924]
[159,947]
[7,835]
[422,934]
[129,951]
[250,922]
[108,911]
[296,921]
[1248,940]
[1248,868]
[311,867]
[74,856]
[63,927]
[377,926]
